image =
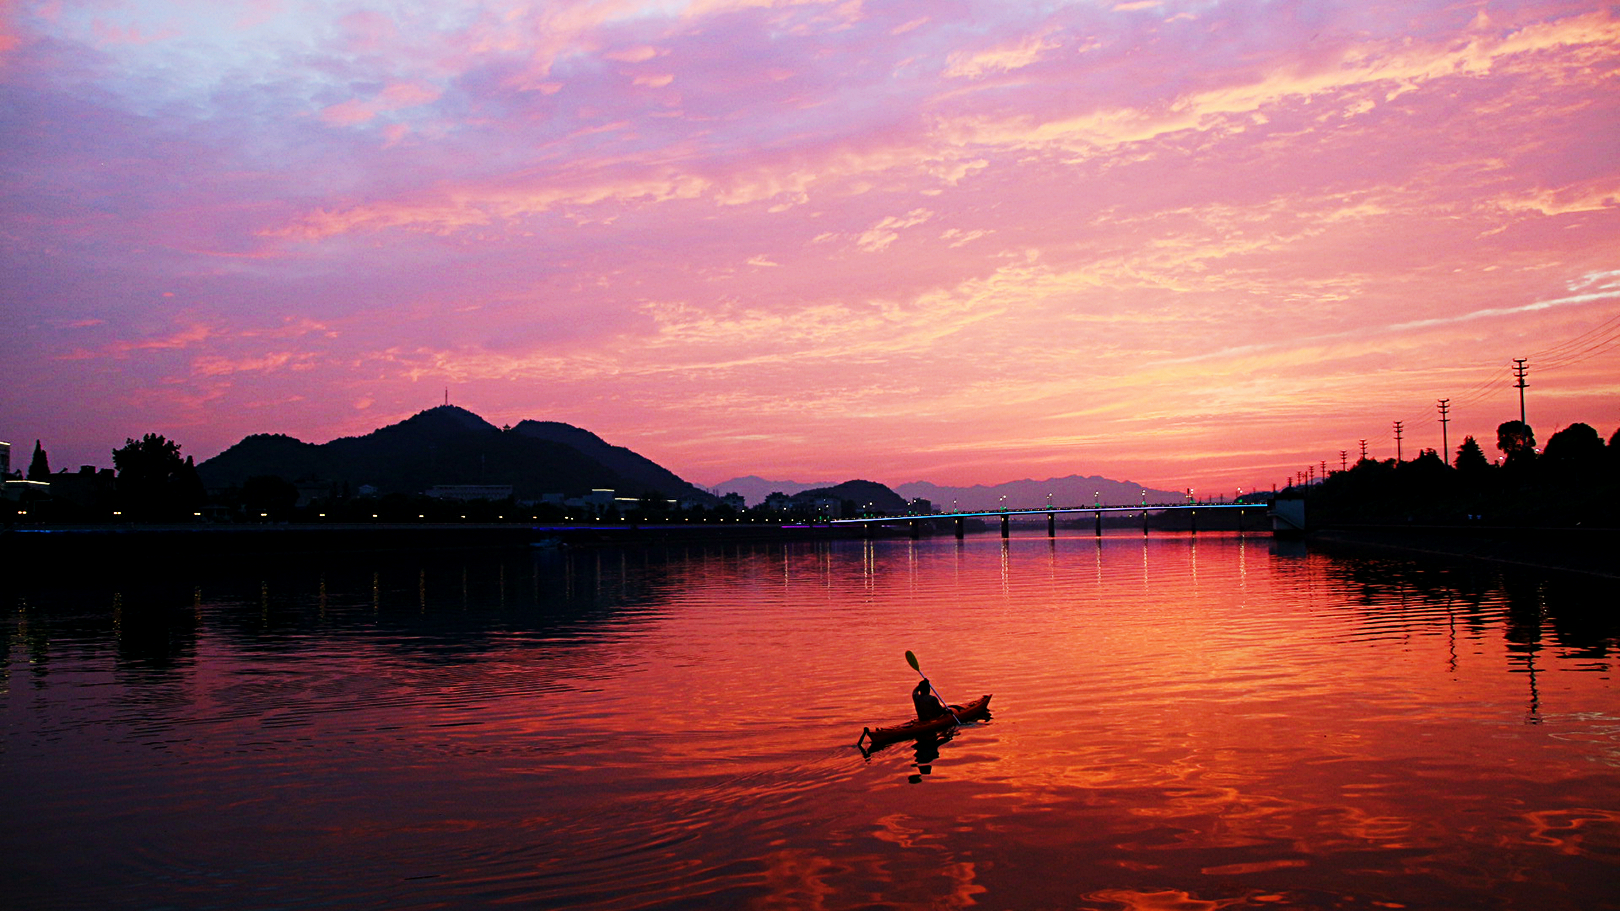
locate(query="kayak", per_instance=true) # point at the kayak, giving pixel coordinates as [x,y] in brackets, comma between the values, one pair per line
[972,711]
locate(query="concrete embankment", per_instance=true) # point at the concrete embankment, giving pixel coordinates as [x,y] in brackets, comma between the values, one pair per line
[1585,550]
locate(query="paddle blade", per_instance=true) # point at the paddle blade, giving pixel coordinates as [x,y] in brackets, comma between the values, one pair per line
[912,660]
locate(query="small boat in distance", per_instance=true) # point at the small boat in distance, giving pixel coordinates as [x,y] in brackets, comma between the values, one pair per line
[972,711]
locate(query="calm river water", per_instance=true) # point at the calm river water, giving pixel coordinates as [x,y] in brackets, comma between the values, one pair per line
[1215,722]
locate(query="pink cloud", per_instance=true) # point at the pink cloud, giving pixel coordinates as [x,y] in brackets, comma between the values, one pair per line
[1195,254]
[214,365]
[348,113]
[368,30]
[394,97]
[633,55]
[109,33]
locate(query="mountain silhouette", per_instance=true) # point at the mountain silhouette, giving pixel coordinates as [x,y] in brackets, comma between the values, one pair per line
[863,494]
[451,445]
[639,471]
[1074,490]
[754,489]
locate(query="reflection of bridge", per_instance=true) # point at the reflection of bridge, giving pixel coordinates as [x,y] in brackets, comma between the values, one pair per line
[1051,513]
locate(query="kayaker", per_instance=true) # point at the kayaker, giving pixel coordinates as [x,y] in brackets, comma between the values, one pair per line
[928,705]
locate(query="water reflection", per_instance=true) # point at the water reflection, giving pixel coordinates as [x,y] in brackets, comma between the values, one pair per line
[1210,722]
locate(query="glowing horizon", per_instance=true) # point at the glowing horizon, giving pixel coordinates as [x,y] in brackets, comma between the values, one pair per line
[1185,244]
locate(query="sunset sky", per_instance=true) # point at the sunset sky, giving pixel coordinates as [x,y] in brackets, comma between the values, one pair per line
[1189,244]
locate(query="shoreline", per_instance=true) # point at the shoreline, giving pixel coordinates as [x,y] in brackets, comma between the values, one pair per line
[1580,550]
[293,538]
[1590,551]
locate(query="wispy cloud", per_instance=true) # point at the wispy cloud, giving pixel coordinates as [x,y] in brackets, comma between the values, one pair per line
[1134,236]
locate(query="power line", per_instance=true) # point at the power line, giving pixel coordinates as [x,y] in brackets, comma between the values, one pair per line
[1589,344]
[1559,349]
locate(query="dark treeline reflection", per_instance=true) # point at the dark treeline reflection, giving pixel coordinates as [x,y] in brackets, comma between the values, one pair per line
[449,607]
[1527,605]
[427,607]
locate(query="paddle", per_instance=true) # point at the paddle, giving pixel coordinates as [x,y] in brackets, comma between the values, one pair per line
[911,659]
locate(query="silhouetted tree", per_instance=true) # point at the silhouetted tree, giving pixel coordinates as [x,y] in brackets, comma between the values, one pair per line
[153,480]
[39,469]
[1577,441]
[1428,464]
[1470,457]
[1517,441]
[188,485]
[1571,452]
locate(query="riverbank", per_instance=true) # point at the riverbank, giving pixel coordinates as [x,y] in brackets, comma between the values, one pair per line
[148,541]
[1583,550]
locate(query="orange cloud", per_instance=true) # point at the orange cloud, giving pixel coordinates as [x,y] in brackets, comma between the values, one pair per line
[1593,37]
[1004,58]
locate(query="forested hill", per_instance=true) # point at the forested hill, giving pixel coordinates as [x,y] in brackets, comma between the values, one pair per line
[450,445]
[866,495]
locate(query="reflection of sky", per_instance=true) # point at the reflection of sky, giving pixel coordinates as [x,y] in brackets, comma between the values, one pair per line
[1181,243]
[592,726]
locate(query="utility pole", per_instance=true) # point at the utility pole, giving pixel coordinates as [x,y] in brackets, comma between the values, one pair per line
[1364,449]
[1445,439]
[1519,371]
[1398,443]
[1344,460]
[1323,463]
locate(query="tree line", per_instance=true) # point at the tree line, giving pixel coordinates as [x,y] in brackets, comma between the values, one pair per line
[152,482]
[1574,480]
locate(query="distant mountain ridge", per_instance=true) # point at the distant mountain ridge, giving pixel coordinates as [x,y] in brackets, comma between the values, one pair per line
[1074,490]
[755,489]
[451,445]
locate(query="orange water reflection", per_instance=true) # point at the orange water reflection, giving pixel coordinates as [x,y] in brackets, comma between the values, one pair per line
[1179,723]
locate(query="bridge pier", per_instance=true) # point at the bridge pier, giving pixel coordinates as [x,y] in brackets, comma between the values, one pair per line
[961,528]
[1194,514]
[1051,525]
[1098,515]
[916,529]
[1005,531]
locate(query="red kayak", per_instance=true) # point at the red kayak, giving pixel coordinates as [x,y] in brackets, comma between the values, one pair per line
[972,711]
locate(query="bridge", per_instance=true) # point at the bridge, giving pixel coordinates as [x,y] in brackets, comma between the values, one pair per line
[1051,513]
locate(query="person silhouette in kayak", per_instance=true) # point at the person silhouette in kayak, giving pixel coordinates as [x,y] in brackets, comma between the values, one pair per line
[928,705]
